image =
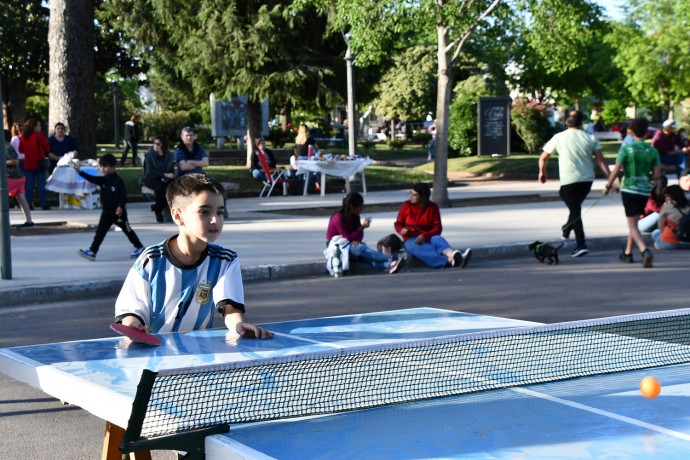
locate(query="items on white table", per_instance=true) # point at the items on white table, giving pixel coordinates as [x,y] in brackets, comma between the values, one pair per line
[344,166]
[74,191]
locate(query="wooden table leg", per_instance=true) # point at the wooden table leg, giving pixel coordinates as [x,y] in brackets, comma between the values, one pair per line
[114,435]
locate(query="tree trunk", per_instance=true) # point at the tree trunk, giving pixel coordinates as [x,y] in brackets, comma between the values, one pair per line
[440,190]
[19,91]
[71,100]
[253,128]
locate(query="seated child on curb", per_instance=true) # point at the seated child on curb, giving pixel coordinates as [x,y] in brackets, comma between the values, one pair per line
[113,201]
[178,284]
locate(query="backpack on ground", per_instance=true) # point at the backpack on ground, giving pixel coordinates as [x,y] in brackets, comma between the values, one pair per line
[390,244]
[683,229]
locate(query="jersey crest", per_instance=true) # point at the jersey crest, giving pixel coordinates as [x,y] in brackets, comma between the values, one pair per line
[203,293]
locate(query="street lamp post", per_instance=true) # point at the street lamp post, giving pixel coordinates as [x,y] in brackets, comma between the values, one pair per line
[5,246]
[116,124]
[351,115]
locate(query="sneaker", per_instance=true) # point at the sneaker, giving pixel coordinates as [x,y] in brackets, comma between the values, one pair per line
[565,237]
[456,259]
[26,225]
[136,253]
[466,257]
[87,254]
[396,265]
[579,252]
[626,258]
[647,259]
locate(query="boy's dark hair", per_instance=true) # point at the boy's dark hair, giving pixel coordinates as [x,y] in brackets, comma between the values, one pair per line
[575,119]
[108,160]
[639,127]
[191,184]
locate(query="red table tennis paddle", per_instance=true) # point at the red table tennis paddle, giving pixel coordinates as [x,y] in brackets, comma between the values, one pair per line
[136,335]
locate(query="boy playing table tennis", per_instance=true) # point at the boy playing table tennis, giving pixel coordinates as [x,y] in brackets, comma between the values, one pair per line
[178,284]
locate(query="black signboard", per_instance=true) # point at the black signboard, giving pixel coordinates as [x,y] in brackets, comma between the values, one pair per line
[494,125]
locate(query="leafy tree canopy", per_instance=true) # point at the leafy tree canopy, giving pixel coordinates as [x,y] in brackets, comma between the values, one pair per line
[24,38]
[652,51]
[254,48]
[408,88]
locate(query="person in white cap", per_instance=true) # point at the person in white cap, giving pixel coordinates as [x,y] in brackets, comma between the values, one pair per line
[671,146]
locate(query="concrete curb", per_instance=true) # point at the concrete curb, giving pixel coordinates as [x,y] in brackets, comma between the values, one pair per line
[259,273]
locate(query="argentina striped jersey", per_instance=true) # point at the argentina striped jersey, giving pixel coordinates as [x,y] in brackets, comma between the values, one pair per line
[169,296]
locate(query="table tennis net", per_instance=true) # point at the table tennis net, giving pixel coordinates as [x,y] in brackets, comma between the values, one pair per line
[350,379]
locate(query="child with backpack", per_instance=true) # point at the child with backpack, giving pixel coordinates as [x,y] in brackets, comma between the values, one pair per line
[674,220]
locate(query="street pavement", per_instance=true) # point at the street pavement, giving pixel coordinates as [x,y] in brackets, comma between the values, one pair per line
[275,245]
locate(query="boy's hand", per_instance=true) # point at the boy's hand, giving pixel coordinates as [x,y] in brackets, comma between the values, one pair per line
[118,211]
[134,322]
[250,331]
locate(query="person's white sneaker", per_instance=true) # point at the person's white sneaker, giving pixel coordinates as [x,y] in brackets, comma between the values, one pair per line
[579,252]
[466,257]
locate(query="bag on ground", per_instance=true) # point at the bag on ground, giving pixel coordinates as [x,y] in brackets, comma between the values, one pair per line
[683,230]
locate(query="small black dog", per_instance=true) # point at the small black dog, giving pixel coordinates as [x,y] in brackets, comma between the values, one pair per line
[543,251]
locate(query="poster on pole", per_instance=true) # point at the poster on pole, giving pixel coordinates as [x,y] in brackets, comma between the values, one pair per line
[493,115]
[229,117]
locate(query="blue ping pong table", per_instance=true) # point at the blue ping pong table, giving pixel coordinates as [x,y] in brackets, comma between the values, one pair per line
[594,417]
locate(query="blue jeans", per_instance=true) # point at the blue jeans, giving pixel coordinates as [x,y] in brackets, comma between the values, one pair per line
[656,236]
[430,253]
[364,253]
[36,177]
[259,175]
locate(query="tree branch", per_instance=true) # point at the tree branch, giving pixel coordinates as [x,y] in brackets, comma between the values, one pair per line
[459,42]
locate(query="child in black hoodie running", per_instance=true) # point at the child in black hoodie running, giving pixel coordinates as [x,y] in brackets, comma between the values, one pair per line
[113,200]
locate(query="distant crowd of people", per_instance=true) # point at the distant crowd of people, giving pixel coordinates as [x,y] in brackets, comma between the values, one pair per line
[650,203]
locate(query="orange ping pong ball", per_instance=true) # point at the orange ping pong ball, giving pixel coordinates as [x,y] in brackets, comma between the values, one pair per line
[650,387]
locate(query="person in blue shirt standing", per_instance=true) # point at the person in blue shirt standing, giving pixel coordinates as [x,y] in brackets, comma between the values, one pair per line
[60,144]
[190,156]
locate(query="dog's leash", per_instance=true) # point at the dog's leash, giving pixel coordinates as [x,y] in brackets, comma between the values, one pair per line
[569,225]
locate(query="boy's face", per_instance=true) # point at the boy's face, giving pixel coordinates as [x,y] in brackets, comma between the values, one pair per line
[201,216]
[107,169]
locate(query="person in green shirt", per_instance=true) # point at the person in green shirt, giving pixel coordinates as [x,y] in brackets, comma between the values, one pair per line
[641,165]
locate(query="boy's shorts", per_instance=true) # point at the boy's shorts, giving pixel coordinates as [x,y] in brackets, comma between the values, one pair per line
[634,204]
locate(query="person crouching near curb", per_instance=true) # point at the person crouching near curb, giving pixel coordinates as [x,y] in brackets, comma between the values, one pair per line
[419,224]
